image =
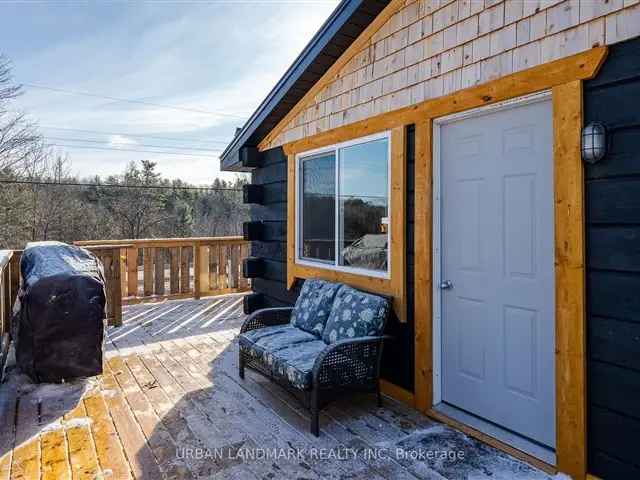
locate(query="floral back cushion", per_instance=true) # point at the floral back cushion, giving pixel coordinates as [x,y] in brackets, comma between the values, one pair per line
[355,314]
[313,306]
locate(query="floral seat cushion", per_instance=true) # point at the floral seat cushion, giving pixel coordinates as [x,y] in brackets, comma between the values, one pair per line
[313,306]
[295,363]
[271,339]
[355,314]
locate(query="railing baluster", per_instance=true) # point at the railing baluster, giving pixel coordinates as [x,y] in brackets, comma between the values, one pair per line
[15,276]
[5,306]
[147,275]
[174,270]
[123,270]
[214,260]
[184,269]
[222,267]
[106,260]
[132,272]
[159,271]
[204,269]
[116,294]
[233,268]
[242,282]
[4,300]
[197,291]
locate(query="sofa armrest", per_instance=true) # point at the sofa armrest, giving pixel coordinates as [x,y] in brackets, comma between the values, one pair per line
[266,317]
[349,362]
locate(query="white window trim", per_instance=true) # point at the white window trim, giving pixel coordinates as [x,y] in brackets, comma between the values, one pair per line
[298,212]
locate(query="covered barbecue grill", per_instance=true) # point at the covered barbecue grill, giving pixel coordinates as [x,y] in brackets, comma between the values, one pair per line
[59,316]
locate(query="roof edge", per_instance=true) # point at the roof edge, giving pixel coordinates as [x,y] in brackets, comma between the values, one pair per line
[230,159]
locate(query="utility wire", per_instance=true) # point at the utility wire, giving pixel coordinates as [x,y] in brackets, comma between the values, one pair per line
[82,147]
[115,185]
[128,100]
[179,147]
[156,137]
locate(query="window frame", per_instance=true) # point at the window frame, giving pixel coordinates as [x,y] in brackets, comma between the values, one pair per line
[335,149]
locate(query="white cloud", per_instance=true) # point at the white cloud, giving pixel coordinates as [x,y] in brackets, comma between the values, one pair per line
[121,141]
[193,55]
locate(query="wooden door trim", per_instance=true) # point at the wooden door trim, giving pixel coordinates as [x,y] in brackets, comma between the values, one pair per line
[571,425]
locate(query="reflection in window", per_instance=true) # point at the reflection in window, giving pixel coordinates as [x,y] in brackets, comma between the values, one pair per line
[318,208]
[364,205]
[360,200]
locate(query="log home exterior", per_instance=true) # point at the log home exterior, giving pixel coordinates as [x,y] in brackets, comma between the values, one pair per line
[428,79]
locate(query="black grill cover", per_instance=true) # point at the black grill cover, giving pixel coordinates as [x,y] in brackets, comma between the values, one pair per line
[59,319]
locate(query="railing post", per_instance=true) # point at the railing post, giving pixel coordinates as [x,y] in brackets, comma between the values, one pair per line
[15,276]
[196,270]
[5,296]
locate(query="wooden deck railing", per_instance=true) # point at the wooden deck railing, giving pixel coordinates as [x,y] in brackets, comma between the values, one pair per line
[144,270]
[9,284]
[153,269]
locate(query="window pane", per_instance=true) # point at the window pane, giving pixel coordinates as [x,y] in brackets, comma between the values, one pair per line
[318,208]
[364,205]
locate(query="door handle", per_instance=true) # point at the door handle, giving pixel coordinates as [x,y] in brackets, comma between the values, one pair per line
[446,285]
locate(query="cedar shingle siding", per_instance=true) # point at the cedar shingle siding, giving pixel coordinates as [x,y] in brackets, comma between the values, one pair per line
[431,48]
[613,268]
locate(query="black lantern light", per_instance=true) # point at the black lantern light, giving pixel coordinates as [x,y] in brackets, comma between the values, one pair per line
[594,142]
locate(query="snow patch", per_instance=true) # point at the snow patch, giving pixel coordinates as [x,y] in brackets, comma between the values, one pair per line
[78,422]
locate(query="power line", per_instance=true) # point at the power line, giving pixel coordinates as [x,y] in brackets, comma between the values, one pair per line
[136,135]
[134,145]
[128,100]
[82,147]
[115,185]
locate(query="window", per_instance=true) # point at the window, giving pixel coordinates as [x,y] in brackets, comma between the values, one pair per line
[343,206]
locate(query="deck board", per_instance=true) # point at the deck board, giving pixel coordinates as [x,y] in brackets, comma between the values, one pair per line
[170,389]
[81,449]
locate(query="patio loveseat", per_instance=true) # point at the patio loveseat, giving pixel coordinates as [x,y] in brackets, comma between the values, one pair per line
[329,343]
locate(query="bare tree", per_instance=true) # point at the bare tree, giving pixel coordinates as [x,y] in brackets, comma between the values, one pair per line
[19,139]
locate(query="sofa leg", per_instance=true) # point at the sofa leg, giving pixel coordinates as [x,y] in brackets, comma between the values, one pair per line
[315,428]
[241,367]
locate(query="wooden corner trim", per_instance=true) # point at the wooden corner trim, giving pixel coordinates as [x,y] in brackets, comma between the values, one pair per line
[570,313]
[423,223]
[291,219]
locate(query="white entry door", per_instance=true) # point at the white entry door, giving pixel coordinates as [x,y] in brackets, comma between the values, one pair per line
[497,253]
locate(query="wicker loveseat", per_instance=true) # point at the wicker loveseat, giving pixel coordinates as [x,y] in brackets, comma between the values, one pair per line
[328,343]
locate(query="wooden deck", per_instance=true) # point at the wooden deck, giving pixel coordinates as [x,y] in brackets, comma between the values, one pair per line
[170,405]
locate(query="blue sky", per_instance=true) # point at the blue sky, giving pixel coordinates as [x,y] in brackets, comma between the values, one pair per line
[217,57]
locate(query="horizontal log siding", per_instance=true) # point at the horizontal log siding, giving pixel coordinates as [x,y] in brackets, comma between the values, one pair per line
[397,362]
[272,175]
[613,269]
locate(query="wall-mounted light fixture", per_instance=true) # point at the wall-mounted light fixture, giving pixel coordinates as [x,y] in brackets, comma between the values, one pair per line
[594,142]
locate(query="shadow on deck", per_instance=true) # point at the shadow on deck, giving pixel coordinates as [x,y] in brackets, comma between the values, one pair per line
[170,405]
